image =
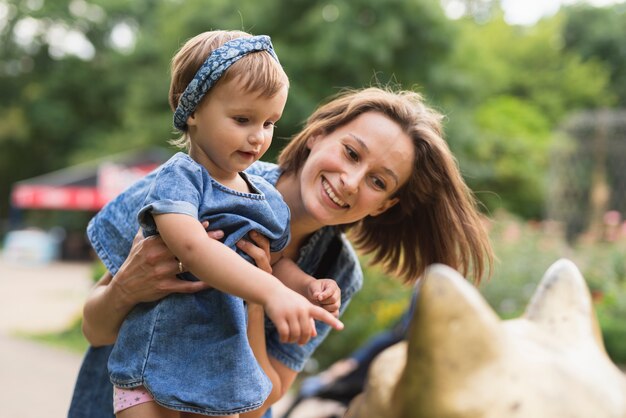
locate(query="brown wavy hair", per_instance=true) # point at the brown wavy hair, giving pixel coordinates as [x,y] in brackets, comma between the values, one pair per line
[436,219]
[258,72]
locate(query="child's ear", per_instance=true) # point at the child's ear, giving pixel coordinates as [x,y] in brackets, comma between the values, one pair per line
[384,206]
[191,119]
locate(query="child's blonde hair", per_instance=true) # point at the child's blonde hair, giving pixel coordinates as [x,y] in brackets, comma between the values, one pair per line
[436,219]
[258,72]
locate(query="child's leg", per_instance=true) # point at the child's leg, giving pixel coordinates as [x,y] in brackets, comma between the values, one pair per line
[148,410]
[154,410]
[138,403]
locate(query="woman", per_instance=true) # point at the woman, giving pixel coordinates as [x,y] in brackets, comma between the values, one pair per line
[370,162]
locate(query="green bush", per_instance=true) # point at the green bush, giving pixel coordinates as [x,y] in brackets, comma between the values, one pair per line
[376,307]
[525,250]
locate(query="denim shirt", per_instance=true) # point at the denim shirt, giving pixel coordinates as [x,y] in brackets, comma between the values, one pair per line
[326,254]
[191,350]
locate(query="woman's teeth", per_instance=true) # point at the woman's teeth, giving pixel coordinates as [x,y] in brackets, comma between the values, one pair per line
[332,195]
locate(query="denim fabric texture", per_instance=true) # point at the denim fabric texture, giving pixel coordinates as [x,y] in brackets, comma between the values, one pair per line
[183,186]
[111,235]
[190,351]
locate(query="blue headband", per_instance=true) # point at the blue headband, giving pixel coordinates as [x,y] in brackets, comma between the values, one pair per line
[213,68]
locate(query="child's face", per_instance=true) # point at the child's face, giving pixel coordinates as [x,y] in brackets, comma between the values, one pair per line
[232,128]
[355,170]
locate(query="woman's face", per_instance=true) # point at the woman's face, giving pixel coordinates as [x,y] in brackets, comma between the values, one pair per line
[353,171]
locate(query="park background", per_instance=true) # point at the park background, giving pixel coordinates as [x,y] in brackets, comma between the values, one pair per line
[534,114]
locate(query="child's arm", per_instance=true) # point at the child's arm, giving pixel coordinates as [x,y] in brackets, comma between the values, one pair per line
[219,266]
[322,292]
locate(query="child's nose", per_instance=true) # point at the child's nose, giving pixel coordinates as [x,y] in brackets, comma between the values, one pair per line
[256,137]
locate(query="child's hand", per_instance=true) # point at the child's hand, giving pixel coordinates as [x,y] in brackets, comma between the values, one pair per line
[325,293]
[294,316]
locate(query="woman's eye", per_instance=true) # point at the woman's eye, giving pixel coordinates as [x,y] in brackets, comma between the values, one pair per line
[379,183]
[351,153]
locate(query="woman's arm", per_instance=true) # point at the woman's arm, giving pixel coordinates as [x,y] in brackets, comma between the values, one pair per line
[148,274]
[280,375]
[256,338]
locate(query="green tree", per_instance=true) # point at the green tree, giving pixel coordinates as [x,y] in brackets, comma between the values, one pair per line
[324,46]
[506,89]
[52,101]
[599,34]
[58,108]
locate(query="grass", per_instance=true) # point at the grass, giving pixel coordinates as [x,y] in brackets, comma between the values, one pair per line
[71,339]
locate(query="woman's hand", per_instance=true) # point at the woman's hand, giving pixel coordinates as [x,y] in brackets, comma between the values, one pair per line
[148,274]
[258,249]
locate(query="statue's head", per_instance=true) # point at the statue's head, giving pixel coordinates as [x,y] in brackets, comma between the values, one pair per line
[461,361]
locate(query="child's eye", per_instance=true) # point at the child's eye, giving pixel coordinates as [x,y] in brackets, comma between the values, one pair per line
[351,153]
[269,124]
[240,119]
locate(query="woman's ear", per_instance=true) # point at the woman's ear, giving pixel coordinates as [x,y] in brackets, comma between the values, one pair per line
[314,138]
[384,206]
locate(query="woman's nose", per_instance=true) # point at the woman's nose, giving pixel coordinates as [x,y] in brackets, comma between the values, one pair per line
[351,181]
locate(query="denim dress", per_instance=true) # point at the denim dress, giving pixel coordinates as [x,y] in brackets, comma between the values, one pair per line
[189,350]
[327,254]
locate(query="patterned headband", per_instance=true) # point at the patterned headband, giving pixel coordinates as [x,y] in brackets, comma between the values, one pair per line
[213,68]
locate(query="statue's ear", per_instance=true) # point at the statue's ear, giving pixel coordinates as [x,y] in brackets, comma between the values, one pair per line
[453,333]
[562,305]
[453,330]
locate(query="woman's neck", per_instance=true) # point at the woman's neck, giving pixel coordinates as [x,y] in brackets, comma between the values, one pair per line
[302,224]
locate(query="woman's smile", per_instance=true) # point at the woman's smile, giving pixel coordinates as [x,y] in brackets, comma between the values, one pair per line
[353,171]
[332,195]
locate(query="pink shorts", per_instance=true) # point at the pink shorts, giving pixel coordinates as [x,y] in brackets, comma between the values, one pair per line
[125,398]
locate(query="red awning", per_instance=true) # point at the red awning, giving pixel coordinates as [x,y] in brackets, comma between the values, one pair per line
[87,186]
[34,196]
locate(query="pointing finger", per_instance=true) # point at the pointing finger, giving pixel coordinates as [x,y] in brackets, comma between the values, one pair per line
[322,315]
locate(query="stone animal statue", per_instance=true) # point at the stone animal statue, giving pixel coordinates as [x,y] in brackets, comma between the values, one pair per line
[461,361]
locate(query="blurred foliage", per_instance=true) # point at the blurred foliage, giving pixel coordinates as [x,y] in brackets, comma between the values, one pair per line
[504,88]
[62,109]
[525,250]
[376,307]
[600,34]
[507,89]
